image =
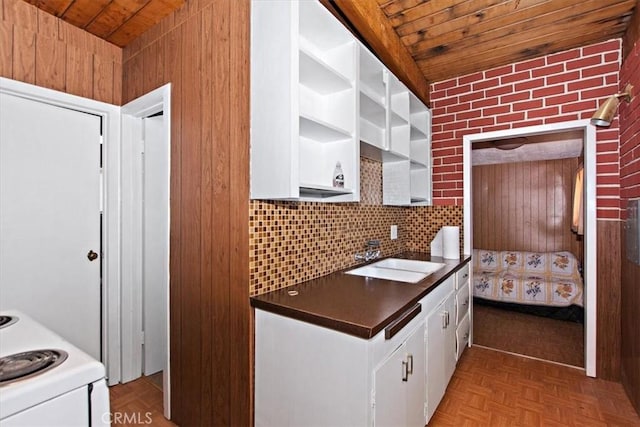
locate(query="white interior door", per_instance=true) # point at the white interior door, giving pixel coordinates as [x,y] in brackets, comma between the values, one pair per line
[50,200]
[155,250]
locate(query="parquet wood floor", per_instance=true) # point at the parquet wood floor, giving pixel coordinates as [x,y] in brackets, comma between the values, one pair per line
[549,339]
[491,388]
[138,403]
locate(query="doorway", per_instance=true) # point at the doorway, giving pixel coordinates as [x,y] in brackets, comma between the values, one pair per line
[523,303]
[145,224]
[588,135]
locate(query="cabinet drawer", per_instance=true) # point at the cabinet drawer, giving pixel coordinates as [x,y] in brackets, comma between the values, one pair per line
[462,276]
[462,336]
[462,303]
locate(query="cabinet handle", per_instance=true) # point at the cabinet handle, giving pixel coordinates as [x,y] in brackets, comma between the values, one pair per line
[465,275]
[444,320]
[405,371]
[466,337]
[466,302]
[410,362]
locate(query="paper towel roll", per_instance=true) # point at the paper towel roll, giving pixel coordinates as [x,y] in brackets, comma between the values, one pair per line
[451,242]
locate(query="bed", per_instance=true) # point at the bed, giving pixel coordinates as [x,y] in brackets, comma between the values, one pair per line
[547,284]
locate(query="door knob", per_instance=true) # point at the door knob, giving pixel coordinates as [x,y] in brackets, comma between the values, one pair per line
[92,255]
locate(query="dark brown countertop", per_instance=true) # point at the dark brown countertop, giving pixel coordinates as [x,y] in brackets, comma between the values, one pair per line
[356,305]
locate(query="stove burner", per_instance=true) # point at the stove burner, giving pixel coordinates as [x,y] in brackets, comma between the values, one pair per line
[20,366]
[7,320]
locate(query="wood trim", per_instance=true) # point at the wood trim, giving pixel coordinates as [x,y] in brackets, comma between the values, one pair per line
[241,318]
[630,345]
[369,20]
[609,301]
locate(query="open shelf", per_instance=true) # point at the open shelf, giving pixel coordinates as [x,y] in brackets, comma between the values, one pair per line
[417,133]
[321,131]
[317,75]
[317,24]
[376,97]
[372,134]
[416,165]
[322,191]
[371,110]
[397,120]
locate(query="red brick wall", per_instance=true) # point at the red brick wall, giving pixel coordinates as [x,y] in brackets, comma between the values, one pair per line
[630,130]
[560,87]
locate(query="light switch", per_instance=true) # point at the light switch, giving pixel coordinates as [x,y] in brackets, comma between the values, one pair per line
[394,232]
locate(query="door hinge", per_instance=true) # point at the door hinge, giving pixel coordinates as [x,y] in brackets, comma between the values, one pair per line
[373,398]
[142,145]
[142,337]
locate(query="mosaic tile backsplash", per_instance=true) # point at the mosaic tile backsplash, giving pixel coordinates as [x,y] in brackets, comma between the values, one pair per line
[292,242]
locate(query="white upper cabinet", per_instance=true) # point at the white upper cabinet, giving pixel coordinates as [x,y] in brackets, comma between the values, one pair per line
[406,167]
[420,152]
[303,104]
[316,92]
[373,100]
[395,128]
[398,117]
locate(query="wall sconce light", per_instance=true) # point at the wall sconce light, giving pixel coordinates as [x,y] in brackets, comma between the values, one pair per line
[607,110]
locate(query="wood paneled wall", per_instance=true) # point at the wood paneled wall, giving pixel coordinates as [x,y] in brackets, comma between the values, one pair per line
[38,48]
[629,188]
[525,206]
[608,300]
[203,50]
[630,346]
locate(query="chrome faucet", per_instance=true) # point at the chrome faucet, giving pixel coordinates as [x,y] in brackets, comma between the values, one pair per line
[372,251]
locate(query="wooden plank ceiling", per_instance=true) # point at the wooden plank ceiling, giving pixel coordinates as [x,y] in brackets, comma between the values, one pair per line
[446,38]
[116,21]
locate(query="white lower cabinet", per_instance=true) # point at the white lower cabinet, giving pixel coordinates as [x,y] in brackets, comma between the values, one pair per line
[463,310]
[308,375]
[441,351]
[399,384]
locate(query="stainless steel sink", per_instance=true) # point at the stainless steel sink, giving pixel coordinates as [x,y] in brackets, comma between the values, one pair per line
[398,269]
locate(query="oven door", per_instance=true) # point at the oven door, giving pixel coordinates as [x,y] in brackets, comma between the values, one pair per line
[67,410]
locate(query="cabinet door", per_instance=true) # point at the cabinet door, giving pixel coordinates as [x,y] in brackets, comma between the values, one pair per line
[390,383]
[416,390]
[441,351]
[400,386]
[436,376]
[449,345]
[462,303]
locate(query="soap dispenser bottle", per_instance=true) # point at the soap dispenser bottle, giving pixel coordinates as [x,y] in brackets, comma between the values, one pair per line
[338,176]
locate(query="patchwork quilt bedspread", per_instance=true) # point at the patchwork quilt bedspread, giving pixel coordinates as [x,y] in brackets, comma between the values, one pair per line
[533,278]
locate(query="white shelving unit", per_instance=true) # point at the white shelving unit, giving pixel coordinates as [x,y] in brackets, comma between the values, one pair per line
[398,116]
[319,97]
[395,128]
[373,100]
[304,104]
[420,152]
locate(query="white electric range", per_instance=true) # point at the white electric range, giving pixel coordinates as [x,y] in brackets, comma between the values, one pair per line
[67,389]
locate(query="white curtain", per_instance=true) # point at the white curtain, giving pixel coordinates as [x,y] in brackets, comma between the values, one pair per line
[578,203]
